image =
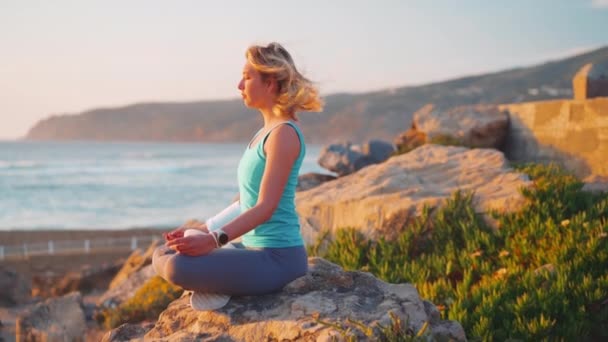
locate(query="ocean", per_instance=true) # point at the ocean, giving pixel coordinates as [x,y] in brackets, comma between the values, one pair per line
[94,185]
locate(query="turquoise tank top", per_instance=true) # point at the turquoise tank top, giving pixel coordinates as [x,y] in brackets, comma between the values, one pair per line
[283,228]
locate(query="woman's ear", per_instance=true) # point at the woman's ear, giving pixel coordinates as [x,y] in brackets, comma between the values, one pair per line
[272,85]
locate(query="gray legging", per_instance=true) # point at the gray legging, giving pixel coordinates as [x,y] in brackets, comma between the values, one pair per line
[233,271]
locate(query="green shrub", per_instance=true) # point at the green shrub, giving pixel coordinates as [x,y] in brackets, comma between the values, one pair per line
[542,275]
[446,140]
[147,303]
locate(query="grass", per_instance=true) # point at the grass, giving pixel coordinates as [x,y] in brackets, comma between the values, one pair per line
[542,275]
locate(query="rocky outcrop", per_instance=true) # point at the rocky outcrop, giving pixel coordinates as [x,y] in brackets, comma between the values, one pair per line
[127,331]
[310,180]
[346,158]
[56,319]
[370,200]
[136,261]
[308,309]
[83,281]
[591,81]
[14,288]
[113,297]
[473,126]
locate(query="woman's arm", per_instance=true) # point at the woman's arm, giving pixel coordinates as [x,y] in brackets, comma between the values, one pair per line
[220,219]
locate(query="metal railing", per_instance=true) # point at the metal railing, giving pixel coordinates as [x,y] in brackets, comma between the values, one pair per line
[87,246]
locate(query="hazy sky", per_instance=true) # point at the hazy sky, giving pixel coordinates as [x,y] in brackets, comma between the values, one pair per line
[68,56]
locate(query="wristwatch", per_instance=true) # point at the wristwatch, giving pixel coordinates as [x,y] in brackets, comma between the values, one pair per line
[222,237]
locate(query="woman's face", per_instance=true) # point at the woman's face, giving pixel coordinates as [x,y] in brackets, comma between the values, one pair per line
[256,92]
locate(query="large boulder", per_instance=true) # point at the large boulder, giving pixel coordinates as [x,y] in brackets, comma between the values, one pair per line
[56,319]
[371,199]
[135,262]
[591,81]
[308,309]
[15,289]
[473,125]
[345,158]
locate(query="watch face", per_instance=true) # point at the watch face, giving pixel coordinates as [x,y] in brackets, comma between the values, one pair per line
[223,238]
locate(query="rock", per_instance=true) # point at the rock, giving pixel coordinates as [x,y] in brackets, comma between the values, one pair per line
[86,280]
[339,158]
[346,158]
[449,331]
[15,289]
[126,289]
[303,311]
[432,312]
[127,331]
[591,81]
[56,319]
[311,180]
[596,183]
[378,198]
[135,262]
[473,126]
[377,150]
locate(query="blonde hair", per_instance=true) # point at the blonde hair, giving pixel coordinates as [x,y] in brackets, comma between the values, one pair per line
[294,92]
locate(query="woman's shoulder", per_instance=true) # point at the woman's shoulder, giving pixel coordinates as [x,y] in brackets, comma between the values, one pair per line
[285,138]
[285,133]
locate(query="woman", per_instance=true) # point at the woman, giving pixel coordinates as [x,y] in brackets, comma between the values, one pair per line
[272,252]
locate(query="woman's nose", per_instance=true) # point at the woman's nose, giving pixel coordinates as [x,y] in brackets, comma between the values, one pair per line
[241,85]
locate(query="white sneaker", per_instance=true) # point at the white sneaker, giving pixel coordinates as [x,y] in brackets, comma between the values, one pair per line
[208,301]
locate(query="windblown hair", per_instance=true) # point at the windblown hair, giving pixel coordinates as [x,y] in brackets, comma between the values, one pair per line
[295,93]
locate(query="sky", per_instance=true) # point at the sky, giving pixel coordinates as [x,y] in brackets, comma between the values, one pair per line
[65,57]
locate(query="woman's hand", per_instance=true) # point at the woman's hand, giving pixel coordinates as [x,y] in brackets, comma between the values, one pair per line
[179,231]
[193,245]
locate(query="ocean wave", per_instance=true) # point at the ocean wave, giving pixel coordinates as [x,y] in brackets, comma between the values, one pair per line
[115,168]
[20,164]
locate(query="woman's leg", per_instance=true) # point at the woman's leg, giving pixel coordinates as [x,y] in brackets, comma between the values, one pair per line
[232,271]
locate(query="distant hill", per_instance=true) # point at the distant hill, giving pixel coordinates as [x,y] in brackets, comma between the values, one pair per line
[380,114]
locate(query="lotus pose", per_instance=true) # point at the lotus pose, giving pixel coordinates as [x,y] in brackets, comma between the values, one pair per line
[272,252]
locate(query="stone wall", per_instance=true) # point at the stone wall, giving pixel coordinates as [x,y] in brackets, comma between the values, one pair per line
[572,132]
